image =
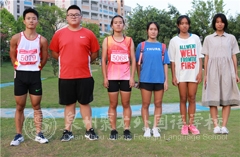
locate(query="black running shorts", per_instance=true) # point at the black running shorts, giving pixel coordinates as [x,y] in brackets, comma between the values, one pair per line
[116,85]
[72,90]
[27,81]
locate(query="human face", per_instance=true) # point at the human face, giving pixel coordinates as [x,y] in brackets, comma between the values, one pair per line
[118,24]
[74,17]
[183,26]
[219,24]
[30,21]
[152,31]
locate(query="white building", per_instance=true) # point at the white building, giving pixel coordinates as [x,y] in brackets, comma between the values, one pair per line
[99,12]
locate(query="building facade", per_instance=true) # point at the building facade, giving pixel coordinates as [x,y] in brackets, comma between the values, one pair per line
[99,12]
[16,7]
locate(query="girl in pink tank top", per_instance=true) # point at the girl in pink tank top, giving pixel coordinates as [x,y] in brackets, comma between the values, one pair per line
[118,74]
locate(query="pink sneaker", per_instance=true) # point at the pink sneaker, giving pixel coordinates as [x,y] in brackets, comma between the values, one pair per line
[184,130]
[193,130]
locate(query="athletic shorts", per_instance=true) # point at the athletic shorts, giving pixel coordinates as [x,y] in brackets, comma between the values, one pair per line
[27,81]
[72,90]
[151,86]
[116,85]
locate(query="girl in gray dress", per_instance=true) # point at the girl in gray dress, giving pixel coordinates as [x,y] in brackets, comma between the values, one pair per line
[220,74]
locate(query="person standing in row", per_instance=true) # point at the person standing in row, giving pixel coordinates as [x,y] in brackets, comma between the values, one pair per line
[28,53]
[152,68]
[220,72]
[75,48]
[186,66]
[118,68]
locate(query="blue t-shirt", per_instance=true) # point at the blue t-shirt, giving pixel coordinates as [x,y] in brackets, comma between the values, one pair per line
[152,70]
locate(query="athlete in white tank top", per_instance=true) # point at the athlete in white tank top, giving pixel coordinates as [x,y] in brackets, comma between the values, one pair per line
[28,54]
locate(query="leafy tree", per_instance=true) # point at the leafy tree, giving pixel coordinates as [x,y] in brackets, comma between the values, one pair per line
[51,18]
[93,27]
[8,29]
[202,14]
[137,23]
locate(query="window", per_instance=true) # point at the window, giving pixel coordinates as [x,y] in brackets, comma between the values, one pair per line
[18,8]
[18,1]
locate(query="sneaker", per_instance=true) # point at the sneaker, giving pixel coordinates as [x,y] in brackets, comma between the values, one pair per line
[67,136]
[193,130]
[217,130]
[224,130]
[91,134]
[17,140]
[127,135]
[155,132]
[184,130]
[40,138]
[113,135]
[147,132]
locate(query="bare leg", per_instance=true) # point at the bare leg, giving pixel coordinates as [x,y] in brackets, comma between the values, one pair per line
[127,112]
[19,114]
[35,100]
[192,90]
[225,114]
[158,95]
[146,99]
[182,87]
[69,114]
[112,113]
[86,113]
[214,115]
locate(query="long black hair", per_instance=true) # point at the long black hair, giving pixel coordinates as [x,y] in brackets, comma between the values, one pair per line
[223,18]
[114,18]
[152,22]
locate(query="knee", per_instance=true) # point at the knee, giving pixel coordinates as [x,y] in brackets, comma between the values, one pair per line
[191,98]
[183,99]
[36,107]
[20,107]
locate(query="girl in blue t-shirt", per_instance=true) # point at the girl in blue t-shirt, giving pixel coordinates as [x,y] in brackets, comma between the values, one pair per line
[152,59]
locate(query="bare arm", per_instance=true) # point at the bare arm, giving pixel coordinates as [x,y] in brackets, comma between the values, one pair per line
[133,61]
[94,56]
[104,64]
[205,69]
[174,78]
[44,51]
[166,77]
[234,58]
[13,47]
[55,55]
[199,76]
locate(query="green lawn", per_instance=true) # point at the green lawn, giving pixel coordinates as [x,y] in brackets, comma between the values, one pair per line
[171,143]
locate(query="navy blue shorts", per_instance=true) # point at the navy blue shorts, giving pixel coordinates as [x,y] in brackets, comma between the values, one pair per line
[72,90]
[151,86]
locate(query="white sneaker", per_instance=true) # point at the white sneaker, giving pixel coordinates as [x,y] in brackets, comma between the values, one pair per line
[17,140]
[40,138]
[217,130]
[155,132]
[147,132]
[224,130]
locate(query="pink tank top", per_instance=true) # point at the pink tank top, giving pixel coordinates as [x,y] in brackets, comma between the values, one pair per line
[28,54]
[118,59]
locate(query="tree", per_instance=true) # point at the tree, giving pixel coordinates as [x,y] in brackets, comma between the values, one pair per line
[93,27]
[8,28]
[137,24]
[202,14]
[51,19]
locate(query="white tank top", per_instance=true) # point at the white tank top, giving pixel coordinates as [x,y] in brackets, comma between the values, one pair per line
[28,54]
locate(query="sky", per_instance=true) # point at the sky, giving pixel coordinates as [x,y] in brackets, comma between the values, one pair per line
[183,6]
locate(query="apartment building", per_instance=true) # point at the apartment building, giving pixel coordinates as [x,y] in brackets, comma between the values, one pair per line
[16,7]
[98,11]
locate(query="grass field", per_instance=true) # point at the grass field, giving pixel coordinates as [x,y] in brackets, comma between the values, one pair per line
[171,143]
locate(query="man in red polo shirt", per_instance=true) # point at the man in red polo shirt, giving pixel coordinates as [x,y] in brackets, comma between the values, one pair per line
[75,48]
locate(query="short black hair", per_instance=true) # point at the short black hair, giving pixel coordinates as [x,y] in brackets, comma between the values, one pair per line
[29,10]
[155,23]
[116,17]
[179,19]
[223,18]
[74,7]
